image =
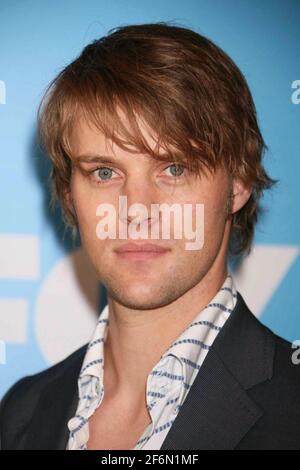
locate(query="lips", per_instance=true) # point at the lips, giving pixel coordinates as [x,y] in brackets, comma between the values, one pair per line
[141,248]
[141,253]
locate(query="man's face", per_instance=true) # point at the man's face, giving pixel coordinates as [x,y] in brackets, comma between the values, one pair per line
[137,280]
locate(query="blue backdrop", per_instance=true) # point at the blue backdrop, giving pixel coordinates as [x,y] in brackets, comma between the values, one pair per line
[39,272]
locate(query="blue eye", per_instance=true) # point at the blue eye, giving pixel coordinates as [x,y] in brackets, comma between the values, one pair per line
[175,169]
[104,173]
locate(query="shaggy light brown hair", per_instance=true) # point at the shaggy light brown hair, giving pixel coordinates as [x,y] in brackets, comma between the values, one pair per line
[185,88]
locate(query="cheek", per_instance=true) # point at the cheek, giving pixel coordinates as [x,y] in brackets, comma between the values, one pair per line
[85,205]
[87,218]
[209,217]
[214,220]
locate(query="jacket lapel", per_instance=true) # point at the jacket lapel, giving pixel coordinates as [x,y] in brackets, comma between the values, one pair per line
[218,411]
[48,428]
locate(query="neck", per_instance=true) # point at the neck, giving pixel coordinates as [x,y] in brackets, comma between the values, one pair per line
[137,338]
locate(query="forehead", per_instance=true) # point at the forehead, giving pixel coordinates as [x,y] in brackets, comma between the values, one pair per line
[87,139]
[86,136]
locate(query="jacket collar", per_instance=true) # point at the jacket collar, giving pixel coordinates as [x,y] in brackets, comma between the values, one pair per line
[48,429]
[217,411]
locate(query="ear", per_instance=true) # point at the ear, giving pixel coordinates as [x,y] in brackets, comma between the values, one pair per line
[240,194]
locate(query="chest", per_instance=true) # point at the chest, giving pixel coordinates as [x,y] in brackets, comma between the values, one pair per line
[111,428]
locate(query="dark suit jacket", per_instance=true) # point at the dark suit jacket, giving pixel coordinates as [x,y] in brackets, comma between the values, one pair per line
[245,396]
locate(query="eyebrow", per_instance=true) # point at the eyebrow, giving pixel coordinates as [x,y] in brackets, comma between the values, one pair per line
[95,159]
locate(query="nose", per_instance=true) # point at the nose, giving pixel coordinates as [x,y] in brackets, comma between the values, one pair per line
[138,202]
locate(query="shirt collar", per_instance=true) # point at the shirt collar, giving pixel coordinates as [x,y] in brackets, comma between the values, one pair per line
[194,342]
[206,323]
[93,364]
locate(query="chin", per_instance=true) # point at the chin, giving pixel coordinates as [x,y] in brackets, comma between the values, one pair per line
[137,297]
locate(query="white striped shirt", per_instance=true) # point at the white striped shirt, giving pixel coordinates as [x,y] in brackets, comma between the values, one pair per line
[169,381]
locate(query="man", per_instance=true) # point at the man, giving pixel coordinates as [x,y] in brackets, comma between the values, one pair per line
[155,114]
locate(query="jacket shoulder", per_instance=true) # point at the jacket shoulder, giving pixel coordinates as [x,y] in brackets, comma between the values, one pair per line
[19,402]
[279,394]
[287,361]
[278,397]
[286,358]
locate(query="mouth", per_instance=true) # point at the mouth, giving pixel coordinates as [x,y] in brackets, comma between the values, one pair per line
[141,251]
